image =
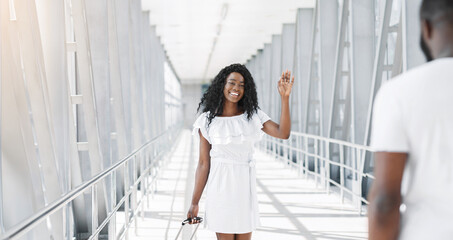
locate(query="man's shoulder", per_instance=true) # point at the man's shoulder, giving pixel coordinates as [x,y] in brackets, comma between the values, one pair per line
[405,82]
[424,72]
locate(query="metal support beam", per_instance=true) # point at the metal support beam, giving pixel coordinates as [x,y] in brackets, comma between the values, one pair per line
[276,72]
[340,114]
[267,84]
[85,74]
[288,46]
[328,31]
[36,114]
[52,31]
[122,23]
[363,52]
[313,117]
[98,37]
[412,54]
[288,62]
[147,85]
[117,103]
[378,69]
[74,157]
[304,24]
[2,228]
[88,127]
[135,72]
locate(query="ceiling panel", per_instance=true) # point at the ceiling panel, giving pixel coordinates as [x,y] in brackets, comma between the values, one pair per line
[189,29]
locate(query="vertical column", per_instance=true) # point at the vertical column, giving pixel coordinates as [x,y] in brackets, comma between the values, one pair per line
[339,126]
[19,164]
[28,157]
[98,36]
[250,67]
[2,228]
[97,19]
[340,114]
[154,91]
[86,98]
[135,72]
[276,71]
[363,38]
[37,94]
[267,54]
[313,117]
[304,35]
[85,79]
[75,157]
[288,46]
[287,62]
[135,33]
[36,90]
[139,48]
[146,76]
[118,128]
[275,74]
[262,73]
[379,66]
[52,28]
[259,76]
[328,29]
[160,80]
[122,27]
[119,135]
[363,55]
[412,54]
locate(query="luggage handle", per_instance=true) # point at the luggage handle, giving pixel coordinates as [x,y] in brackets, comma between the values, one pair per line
[189,220]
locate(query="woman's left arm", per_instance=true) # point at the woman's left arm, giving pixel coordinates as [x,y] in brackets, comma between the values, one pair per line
[282,130]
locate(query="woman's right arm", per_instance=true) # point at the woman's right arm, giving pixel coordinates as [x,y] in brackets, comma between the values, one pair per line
[201,176]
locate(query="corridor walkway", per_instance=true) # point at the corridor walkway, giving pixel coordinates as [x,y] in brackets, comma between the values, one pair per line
[290,207]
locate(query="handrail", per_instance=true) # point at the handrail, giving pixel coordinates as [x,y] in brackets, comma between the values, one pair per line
[332,140]
[319,154]
[57,205]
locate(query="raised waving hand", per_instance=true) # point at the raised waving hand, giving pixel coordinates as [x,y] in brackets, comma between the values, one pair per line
[285,84]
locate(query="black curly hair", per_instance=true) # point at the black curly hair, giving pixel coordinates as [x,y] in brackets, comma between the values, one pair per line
[213,99]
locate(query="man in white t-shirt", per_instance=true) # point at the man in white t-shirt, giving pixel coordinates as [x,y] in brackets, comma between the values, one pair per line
[412,134]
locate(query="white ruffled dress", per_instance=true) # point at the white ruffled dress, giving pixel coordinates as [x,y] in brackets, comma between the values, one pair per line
[231,201]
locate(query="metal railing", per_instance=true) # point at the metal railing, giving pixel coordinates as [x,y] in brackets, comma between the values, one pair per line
[316,157]
[144,161]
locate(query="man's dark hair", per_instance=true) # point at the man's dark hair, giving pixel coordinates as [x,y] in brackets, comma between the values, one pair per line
[213,98]
[437,11]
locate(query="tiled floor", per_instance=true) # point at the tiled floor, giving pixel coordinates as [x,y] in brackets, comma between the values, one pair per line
[290,207]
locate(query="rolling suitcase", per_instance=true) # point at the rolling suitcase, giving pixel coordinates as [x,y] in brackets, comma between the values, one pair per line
[188,221]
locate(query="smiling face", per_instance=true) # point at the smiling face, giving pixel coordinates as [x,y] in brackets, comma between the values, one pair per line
[234,87]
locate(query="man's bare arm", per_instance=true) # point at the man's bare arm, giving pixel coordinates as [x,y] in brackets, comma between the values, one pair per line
[385,196]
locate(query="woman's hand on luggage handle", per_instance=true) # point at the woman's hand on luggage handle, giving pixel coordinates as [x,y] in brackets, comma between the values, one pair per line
[192,213]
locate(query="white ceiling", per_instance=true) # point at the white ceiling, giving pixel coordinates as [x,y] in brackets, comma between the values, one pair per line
[189,28]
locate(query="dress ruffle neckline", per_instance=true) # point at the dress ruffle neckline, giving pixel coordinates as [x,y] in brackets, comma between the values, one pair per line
[233,129]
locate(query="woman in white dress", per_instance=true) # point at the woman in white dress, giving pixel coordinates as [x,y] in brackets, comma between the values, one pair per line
[230,123]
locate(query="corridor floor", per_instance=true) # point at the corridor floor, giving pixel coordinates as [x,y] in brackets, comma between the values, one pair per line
[290,207]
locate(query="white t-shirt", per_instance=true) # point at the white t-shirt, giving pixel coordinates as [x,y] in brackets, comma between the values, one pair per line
[413,113]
